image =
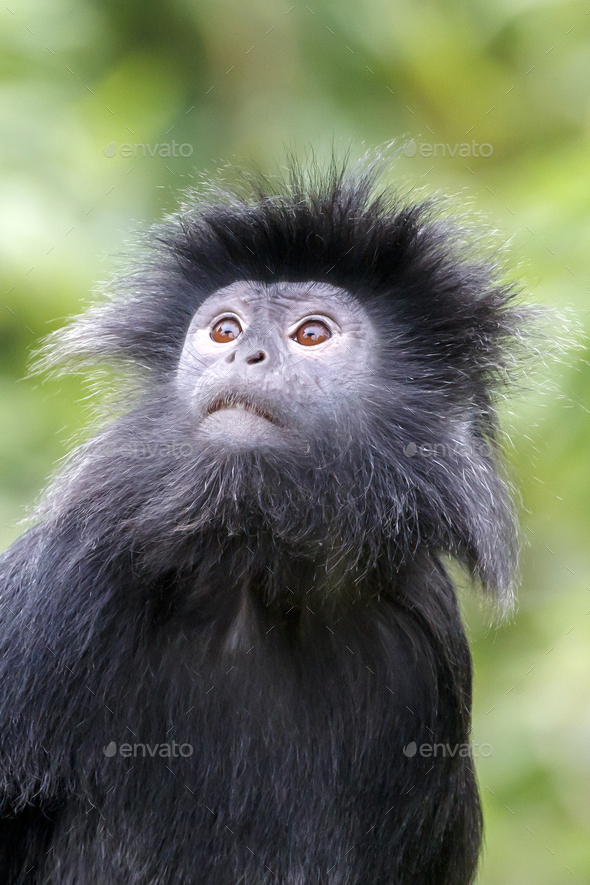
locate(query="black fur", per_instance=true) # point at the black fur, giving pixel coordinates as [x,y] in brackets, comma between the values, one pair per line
[286,614]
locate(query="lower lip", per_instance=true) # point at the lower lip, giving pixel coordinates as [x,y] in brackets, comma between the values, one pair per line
[243,414]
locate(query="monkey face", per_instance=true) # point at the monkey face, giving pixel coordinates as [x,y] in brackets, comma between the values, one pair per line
[357,413]
[265,364]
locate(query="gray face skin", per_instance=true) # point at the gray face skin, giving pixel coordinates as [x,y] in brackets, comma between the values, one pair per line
[260,380]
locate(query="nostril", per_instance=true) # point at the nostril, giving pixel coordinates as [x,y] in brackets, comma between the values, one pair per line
[258,357]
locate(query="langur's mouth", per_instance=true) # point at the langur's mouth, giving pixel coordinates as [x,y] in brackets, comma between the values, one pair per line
[241,403]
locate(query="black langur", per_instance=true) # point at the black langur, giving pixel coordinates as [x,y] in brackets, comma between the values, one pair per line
[230,623]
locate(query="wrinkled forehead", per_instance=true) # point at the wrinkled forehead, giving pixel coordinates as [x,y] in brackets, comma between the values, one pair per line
[283,294]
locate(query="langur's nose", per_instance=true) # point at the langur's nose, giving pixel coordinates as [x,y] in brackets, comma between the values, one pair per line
[258,356]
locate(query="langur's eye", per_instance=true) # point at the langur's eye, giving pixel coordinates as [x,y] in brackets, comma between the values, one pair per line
[226,330]
[312,332]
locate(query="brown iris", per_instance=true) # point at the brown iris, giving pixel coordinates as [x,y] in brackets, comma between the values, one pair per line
[312,332]
[226,330]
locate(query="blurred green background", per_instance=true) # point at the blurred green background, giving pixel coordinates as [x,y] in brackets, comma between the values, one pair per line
[505,88]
